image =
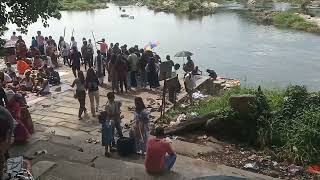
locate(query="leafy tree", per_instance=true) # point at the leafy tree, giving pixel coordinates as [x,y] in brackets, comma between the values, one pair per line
[25,12]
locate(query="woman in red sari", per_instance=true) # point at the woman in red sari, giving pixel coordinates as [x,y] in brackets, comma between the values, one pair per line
[20,113]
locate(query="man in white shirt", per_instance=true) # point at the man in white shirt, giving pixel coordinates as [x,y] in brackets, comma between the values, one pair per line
[73,43]
[190,84]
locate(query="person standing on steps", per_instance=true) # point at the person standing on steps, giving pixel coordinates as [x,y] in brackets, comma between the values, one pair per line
[141,117]
[113,109]
[85,54]
[98,63]
[80,93]
[103,47]
[75,61]
[90,53]
[73,43]
[160,156]
[133,63]
[40,42]
[92,85]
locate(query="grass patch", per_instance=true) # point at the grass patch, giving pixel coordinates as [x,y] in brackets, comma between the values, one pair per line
[291,20]
[83,5]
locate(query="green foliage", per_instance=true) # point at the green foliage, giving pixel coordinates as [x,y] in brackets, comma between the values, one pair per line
[291,20]
[180,6]
[24,13]
[83,4]
[294,127]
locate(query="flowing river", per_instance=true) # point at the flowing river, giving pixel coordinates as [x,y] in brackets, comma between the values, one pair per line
[226,41]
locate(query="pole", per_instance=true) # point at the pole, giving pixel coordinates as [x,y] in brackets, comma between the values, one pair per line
[64,32]
[164,91]
[95,42]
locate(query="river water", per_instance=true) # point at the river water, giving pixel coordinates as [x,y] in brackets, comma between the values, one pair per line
[226,41]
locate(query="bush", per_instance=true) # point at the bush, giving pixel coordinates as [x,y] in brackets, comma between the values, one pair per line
[289,19]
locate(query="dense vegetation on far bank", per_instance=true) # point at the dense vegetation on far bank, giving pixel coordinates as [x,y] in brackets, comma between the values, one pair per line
[181,6]
[287,122]
[292,20]
[82,5]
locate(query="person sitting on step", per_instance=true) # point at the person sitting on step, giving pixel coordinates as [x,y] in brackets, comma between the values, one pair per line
[160,157]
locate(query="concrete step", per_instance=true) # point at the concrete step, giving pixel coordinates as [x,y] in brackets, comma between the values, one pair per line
[185,168]
[55,152]
[133,167]
[65,170]
[133,170]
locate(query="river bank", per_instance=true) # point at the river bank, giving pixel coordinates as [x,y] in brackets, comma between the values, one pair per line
[287,19]
[180,6]
[267,131]
[82,5]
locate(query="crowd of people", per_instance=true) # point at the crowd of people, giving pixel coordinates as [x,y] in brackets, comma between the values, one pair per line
[125,67]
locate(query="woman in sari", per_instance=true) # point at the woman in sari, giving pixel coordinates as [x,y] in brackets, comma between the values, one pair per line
[20,113]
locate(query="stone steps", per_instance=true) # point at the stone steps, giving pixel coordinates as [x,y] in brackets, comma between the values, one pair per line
[71,164]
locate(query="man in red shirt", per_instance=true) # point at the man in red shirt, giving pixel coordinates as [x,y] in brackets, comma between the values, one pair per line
[160,157]
[103,47]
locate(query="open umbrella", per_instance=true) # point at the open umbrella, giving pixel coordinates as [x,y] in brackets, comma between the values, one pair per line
[151,45]
[183,54]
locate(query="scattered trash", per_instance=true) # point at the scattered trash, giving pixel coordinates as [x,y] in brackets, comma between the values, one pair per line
[198,95]
[151,101]
[41,152]
[92,140]
[253,157]
[194,114]
[252,166]
[295,149]
[274,163]
[314,169]
[173,123]
[131,108]
[183,105]
[182,117]
[168,140]
[204,137]
[293,169]
[52,132]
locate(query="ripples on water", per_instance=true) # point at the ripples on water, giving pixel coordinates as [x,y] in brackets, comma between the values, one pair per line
[226,41]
